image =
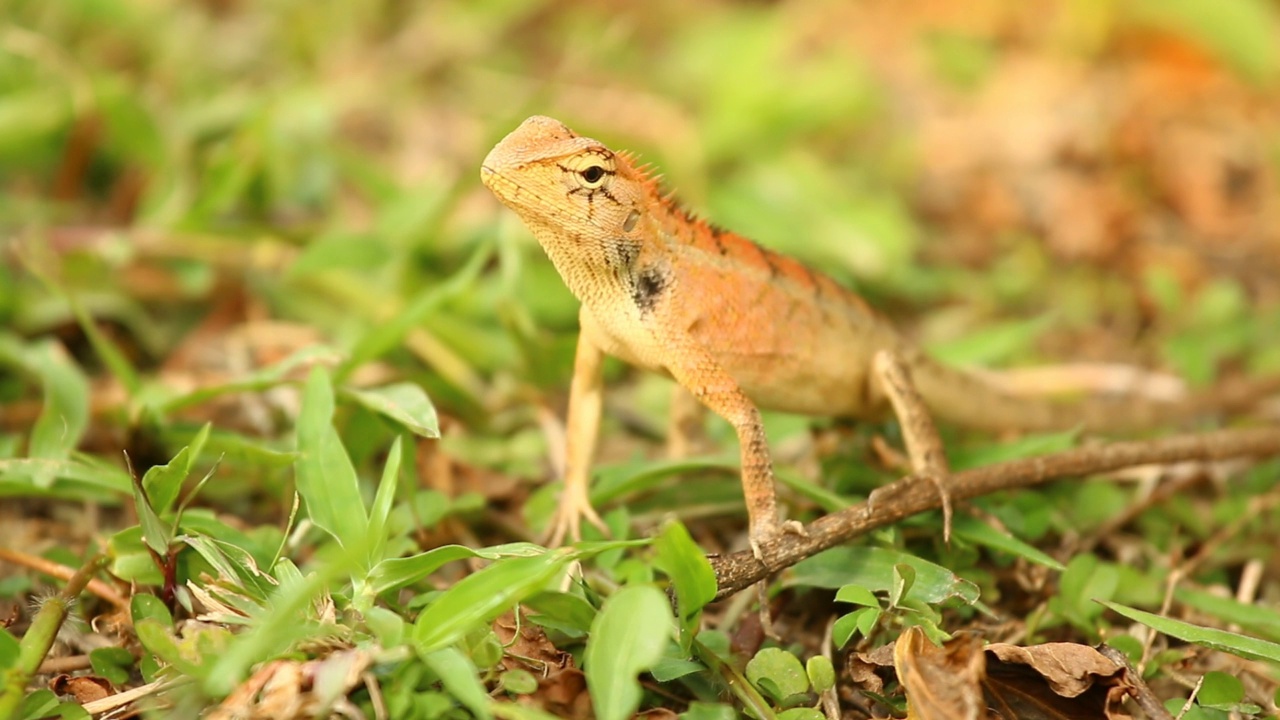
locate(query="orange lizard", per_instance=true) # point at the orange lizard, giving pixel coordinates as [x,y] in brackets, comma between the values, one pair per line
[739,326]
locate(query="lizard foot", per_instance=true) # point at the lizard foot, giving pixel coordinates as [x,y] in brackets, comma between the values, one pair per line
[760,537]
[767,535]
[567,521]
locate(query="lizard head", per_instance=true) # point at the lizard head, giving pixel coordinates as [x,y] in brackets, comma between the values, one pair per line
[564,185]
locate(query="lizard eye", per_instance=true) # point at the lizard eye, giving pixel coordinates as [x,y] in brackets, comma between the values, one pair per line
[592,176]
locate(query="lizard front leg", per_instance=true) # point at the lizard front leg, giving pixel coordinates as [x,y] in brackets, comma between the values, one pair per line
[586,400]
[698,371]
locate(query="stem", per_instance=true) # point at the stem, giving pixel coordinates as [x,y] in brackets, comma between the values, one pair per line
[39,638]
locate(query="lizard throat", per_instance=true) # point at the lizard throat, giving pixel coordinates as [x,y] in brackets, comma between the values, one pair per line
[598,270]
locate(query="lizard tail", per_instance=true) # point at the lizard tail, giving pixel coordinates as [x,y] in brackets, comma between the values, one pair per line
[966,399]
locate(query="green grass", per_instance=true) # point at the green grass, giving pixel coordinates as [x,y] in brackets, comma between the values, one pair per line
[272,355]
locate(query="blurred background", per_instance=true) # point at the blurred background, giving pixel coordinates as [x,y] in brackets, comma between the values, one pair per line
[218,184]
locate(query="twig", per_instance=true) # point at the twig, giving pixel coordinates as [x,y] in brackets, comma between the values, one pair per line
[70,663]
[912,495]
[1141,693]
[120,699]
[62,572]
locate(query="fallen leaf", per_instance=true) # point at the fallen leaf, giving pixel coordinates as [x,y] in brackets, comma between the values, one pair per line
[562,688]
[864,669]
[941,682]
[1054,681]
[84,688]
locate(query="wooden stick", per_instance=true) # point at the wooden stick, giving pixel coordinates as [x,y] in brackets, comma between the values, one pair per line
[912,494]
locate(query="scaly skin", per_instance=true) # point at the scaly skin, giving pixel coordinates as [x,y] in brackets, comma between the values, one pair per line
[739,326]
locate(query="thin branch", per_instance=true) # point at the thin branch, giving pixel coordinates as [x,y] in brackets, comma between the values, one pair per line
[912,494]
[63,572]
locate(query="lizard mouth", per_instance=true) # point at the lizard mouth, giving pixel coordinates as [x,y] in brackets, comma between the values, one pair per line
[489,177]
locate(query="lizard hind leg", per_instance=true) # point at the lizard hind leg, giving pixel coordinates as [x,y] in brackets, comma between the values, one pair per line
[919,434]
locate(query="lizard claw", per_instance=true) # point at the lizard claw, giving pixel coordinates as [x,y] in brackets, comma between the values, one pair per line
[567,521]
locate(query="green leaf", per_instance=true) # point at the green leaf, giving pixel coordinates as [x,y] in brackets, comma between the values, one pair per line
[859,621]
[383,336]
[326,478]
[618,481]
[801,713]
[682,560]
[43,705]
[340,251]
[904,576]
[382,501]
[709,711]
[163,482]
[28,115]
[1259,619]
[483,647]
[396,573]
[9,648]
[149,607]
[482,596]
[822,674]
[1234,643]
[778,674]
[994,343]
[79,478]
[566,612]
[65,412]
[387,626]
[155,637]
[1085,580]
[518,682]
[857,595]
[458,674]
[112,663]
[873,568]
[965,457]
[233,564]
[285,621]
[404,403]
[967,527]
[627,638]
[263,379]
[517,711]
[673,668]
[156,534]
[106,349]
[1220,690]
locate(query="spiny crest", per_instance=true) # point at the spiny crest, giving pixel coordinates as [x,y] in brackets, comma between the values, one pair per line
[645,174]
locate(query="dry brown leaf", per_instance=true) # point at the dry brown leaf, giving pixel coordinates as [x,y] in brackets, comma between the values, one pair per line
[281,695]
[1054,681]
[84,688]
[562,688]
[864,668]
[286,689]
[940,682]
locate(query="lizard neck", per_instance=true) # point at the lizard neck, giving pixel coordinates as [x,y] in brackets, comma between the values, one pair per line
[597,269]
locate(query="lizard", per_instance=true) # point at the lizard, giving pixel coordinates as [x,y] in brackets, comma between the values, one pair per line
[741,327]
